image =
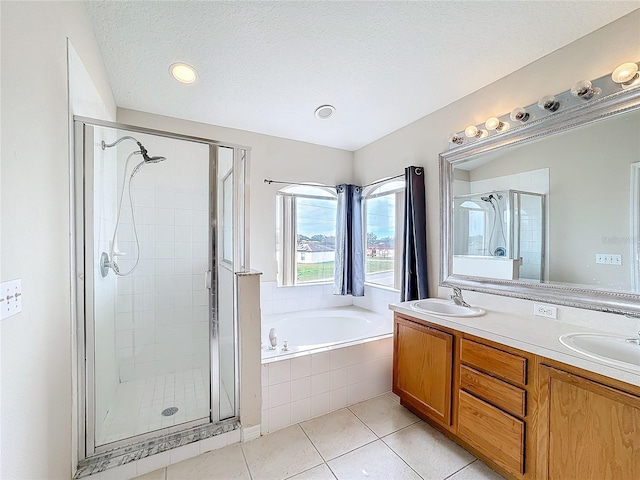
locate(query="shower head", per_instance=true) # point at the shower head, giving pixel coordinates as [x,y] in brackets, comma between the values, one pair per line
[147,158]
[143,151]
[154,159]
[491,198]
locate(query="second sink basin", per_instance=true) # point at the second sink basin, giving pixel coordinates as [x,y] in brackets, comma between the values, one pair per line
[438,306]
[614,349]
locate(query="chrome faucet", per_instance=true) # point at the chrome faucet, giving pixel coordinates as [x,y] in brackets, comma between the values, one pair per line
[457,298]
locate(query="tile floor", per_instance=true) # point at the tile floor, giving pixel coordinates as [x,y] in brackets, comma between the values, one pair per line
[137,406]
[375,439]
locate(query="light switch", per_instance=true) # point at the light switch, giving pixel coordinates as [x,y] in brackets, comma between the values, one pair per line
[10,298]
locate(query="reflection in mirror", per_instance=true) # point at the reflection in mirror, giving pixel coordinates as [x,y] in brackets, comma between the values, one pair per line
[498,233]
[585,176]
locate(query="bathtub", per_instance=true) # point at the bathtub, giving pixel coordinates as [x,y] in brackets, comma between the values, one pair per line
[336,357]
[322,329]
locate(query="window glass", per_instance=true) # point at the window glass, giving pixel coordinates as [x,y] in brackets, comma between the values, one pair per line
[316,239]
[306,232]
[383,209]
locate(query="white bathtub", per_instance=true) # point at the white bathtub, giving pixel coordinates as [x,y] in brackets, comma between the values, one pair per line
[322,329]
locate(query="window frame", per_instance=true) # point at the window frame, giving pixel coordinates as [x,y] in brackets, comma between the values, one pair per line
[371,193]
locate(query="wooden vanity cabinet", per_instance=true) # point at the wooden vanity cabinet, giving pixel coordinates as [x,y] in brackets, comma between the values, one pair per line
[526,416]
[587,429]
[470,389]
[422,369]
[491,404]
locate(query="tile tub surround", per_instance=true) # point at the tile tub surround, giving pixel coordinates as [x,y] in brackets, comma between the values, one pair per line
[274,299]
[310,385]
[376,439]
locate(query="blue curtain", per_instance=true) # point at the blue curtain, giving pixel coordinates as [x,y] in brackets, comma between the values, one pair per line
[349,270]
[414,238]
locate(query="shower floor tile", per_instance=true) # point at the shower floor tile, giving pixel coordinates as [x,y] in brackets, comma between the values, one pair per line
[137,405]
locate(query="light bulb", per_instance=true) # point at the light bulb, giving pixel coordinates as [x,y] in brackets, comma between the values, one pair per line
[472,132]
[492,123]
[519,114]
[495,124]
[584,90]
[549,103]
[626,75]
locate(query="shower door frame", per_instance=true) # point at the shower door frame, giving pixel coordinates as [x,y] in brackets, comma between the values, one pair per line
[82,244]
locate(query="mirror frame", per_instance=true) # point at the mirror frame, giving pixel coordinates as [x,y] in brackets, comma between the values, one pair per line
[573,295]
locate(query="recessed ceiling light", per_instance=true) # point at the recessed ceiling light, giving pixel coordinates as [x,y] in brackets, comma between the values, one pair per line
[183,73]
[325,111]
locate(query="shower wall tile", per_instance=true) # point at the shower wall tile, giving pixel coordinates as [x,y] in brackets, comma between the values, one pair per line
[162,308]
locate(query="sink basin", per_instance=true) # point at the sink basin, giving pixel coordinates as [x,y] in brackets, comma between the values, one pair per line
[609,348]
[438,306]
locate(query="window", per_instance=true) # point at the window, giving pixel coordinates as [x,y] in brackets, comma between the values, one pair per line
[383,210]
[306,235]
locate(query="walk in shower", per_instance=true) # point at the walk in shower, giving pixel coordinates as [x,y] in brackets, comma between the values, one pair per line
[500,234]
[160,233]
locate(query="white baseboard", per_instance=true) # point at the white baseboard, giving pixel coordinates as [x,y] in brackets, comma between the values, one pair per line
[250,433]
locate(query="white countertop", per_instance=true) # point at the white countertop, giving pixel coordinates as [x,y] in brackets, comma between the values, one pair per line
[539,336]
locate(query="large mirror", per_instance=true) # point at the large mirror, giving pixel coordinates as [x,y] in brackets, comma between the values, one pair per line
[550,210]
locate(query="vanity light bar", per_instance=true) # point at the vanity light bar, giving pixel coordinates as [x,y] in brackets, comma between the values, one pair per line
[624,76]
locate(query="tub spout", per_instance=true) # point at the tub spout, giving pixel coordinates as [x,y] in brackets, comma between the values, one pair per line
[273,339]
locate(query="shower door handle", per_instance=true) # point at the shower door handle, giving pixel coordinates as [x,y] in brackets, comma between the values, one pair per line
[207,279]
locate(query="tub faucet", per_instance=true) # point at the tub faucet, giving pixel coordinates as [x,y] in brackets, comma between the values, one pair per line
[457,298]
[285,346]
[273,339]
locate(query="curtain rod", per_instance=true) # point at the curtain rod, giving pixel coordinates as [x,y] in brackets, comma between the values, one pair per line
[269,181]
[310,184]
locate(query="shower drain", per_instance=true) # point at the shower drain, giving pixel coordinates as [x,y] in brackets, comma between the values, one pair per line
[167,412]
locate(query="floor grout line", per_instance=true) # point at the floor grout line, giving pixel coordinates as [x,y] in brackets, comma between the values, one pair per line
[244,457]
[309,438]
[460,469]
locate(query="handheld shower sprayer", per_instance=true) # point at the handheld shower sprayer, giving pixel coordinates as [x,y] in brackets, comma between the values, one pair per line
[108,260]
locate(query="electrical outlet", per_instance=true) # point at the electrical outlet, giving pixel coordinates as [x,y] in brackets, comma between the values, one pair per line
[547,311]
[608,259]
[10,298]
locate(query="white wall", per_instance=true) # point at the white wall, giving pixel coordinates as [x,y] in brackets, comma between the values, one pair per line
[420,142]
[36,344]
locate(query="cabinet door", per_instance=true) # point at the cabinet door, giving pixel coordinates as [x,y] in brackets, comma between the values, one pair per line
[589,430]
[422,366]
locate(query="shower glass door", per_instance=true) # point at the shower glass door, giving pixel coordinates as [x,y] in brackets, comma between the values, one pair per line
[151,295]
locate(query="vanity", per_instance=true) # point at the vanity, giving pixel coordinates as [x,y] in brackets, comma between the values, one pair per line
[543,205]
[513,398]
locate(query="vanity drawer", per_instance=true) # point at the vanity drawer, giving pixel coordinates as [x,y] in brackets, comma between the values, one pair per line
[492,431]
[499,393]
[493,361]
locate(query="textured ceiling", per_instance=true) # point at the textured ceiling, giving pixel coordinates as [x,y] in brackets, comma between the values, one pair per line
[266,66]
